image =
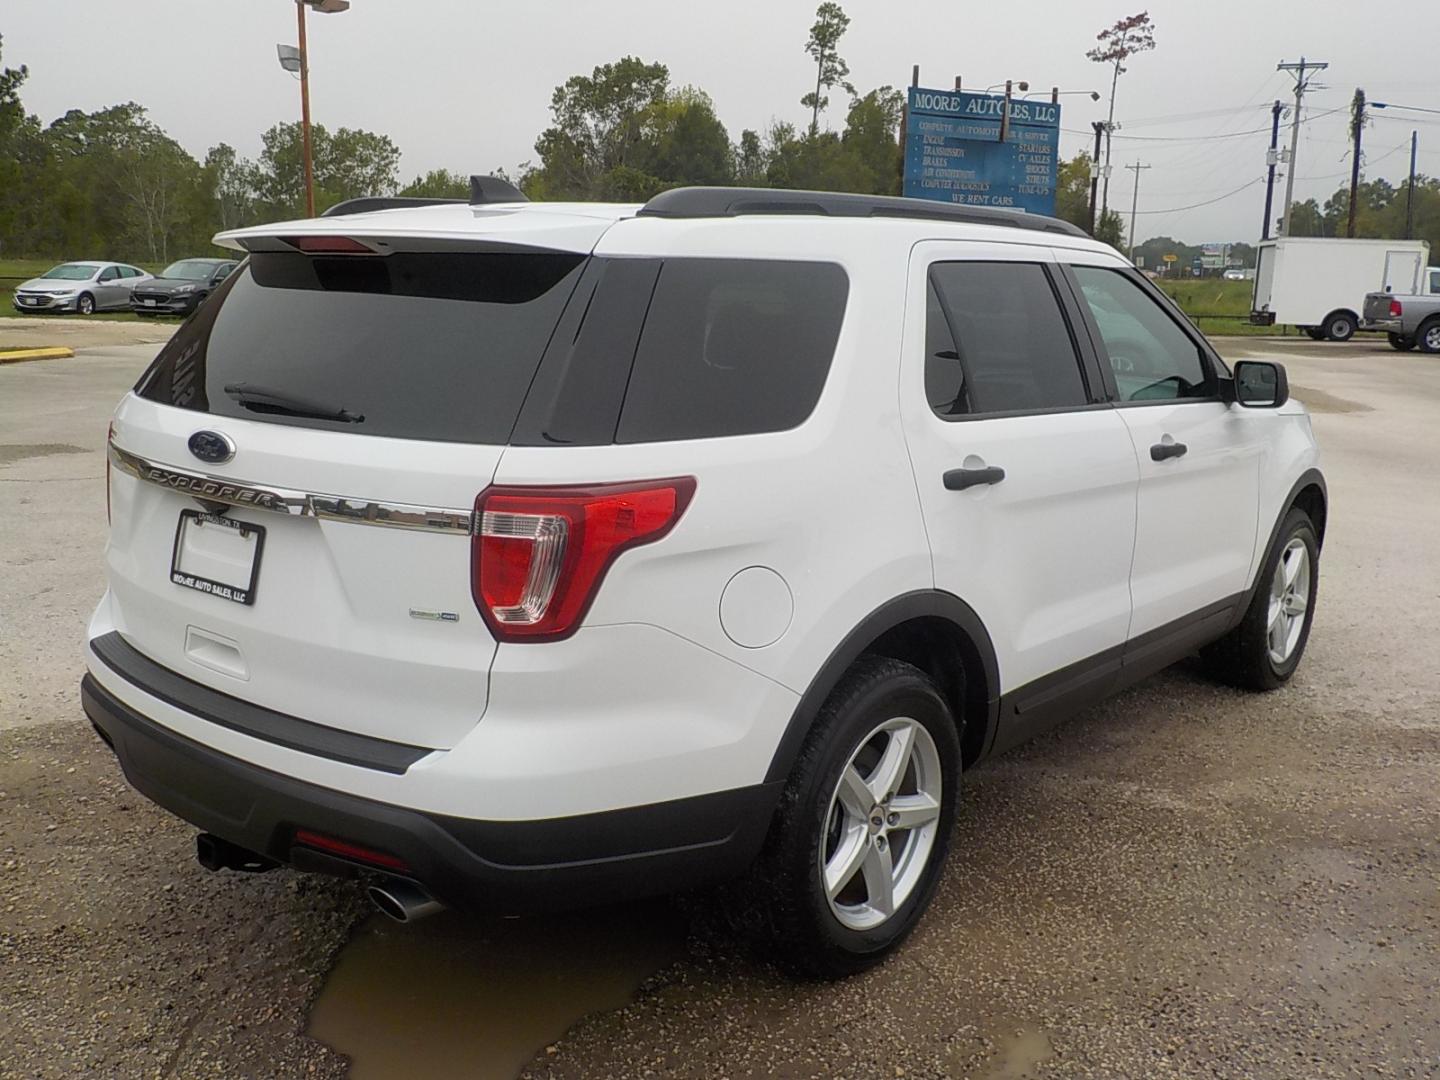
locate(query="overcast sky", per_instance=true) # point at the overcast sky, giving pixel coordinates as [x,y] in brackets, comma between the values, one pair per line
[466,85]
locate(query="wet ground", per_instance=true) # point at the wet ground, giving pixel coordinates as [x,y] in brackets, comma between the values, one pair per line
[1186,881]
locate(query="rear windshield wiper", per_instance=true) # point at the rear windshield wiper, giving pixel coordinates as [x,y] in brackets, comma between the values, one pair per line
[262,399]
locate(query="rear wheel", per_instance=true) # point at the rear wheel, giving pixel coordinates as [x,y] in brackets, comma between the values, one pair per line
[1314,333]
[1340,326]
[86,304]
[1428,337]
[1401,342]
[864,823]
[1265,649]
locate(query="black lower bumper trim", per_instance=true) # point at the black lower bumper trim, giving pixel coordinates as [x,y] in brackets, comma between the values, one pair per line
[289,731]
[561,862]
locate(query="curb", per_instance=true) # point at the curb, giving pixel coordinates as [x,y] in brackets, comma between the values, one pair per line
[15,356]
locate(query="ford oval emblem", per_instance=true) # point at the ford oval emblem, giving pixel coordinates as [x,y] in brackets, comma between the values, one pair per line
[212,447]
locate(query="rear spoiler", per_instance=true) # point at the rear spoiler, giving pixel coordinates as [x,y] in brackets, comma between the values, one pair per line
[483,190]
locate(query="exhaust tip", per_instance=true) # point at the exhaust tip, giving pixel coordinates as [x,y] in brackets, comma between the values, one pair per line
[402,901]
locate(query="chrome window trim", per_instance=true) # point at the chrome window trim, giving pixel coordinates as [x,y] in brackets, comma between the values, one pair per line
[217,489]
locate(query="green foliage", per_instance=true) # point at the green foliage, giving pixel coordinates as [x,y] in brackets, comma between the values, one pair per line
[831,71]
[438,184]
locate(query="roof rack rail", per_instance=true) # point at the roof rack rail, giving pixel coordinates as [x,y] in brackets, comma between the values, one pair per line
[366,203]
[492,189]
[705,202]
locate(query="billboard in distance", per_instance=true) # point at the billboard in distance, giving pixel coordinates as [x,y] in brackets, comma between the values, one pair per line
[953,151]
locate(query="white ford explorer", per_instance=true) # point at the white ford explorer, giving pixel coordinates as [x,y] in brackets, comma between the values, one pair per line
[511,555]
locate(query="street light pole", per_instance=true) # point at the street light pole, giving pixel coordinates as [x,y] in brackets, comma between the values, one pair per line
[305,113]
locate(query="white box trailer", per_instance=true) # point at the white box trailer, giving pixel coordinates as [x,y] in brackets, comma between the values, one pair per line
[1319,285]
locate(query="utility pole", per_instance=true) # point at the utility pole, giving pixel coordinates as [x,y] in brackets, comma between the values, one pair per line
[1410,189]
[1110,127]
[1302,73]
[1134,206]
[1357,125]
[1271,159]
[305,114]
[1095,173]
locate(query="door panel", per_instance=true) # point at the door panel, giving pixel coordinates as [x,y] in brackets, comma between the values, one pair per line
[1042,554]
[1199,458]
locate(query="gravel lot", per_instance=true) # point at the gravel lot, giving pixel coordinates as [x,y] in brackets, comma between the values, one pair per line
[1187,881]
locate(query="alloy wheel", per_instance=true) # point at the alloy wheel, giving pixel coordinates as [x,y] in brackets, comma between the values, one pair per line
[1289,601]
[881,827]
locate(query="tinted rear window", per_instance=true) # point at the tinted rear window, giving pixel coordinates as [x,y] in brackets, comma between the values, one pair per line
[732,347]
[436,346]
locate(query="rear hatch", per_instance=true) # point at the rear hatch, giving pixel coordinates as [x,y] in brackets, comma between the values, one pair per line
[294,477]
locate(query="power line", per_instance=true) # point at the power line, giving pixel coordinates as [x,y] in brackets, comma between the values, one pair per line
[1207,202]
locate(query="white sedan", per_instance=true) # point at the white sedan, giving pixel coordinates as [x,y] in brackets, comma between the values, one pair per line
[86,287]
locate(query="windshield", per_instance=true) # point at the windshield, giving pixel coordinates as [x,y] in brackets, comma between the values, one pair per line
[72,272]
[190,270]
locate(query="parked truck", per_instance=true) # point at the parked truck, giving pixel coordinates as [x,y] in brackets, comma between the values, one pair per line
[1319,285]
[1410,319]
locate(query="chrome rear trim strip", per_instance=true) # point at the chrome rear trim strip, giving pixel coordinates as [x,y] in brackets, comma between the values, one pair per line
[217,489]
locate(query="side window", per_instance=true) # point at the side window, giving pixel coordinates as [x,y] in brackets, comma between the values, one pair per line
[997,341]
[223,271]
[110,273]
[1435,281]
[732,347]
[1152,358]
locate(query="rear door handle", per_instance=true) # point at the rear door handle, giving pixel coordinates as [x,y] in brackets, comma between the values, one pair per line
[1162,451]
[960,479]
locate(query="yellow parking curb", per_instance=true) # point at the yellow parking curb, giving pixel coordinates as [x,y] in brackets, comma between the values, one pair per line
[14,356]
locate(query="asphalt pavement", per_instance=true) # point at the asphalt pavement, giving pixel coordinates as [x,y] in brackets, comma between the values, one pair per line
[1186,881]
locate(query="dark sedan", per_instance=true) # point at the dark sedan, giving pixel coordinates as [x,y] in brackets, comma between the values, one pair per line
[180,287]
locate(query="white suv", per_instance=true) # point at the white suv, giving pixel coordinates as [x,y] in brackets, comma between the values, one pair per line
[523,554]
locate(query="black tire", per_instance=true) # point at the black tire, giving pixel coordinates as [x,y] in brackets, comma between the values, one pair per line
[1242,657]
[1340,326]
[1427,338]
[800,929]
[85,304]
[1400,342]
[1314,333]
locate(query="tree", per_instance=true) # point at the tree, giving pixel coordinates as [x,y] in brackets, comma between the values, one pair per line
[750,160]
[830,70]
[1110,229]
[348,164]
[872,130]
[231,184]
[438,184]
[1072,191]
[1117,44]
[689,144]
[599,124]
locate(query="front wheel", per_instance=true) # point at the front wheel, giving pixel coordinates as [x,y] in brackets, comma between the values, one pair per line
[86,304]
[1265,649]
[1400,342]
[860,836]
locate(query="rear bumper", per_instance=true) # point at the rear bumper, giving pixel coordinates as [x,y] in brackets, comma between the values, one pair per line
[1390,326]
[1262,318]
[510,866]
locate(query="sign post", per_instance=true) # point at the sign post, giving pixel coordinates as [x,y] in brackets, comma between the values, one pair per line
[955,153]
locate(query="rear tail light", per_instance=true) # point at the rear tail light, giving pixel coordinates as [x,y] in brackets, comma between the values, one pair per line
[1395,309]
[539,554]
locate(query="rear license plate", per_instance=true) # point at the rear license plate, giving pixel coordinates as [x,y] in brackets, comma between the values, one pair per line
[217,555]
[148,302]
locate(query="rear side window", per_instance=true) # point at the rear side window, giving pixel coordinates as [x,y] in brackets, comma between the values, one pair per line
[996,341]
[435,346]
[732,347]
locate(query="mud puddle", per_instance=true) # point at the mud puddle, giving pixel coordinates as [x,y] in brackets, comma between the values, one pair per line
[463,996]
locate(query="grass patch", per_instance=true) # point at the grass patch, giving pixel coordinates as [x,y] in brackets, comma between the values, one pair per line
[108,316]
[1219,307]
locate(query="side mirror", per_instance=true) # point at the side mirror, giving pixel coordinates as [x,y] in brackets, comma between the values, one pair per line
[1260,384]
